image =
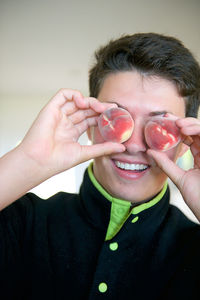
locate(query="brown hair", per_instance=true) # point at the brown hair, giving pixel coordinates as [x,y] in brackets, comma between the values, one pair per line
[150,54]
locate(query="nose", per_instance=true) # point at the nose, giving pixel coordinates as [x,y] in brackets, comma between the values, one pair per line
[136,142]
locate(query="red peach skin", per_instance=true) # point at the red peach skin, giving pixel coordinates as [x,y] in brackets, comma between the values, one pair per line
[116,125]
[162,134]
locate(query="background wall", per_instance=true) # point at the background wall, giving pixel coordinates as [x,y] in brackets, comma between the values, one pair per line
[46,45]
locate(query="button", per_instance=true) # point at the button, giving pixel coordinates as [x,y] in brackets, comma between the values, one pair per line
[113,246]
[103,287]
[135,219]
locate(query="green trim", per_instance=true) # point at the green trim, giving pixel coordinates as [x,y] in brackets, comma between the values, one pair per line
[120,209]
[118,216]
[104,192]
[143,206]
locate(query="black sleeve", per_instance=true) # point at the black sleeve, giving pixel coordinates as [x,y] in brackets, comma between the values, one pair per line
[15,233]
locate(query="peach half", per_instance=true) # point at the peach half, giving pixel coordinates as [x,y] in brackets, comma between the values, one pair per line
[162,134]
[116,125]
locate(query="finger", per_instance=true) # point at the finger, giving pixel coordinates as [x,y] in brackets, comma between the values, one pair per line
[69,108]
[64,95]
[195,146]
[196,140]
[197,161]
[191,130]
[93,151]
[76,101]
[88,102]
[168,166]
[103,107]
[187,122]
[96,105]
[187,140]
[85,124]
[81,115]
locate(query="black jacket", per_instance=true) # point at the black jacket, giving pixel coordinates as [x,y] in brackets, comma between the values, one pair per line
[56,249]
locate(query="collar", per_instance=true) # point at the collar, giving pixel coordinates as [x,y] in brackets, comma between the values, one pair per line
[109,213]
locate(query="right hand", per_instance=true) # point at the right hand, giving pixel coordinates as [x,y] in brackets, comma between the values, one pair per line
[52,140]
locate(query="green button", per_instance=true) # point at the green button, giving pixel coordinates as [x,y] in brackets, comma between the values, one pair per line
[113,246]
[103,287]
[135,219]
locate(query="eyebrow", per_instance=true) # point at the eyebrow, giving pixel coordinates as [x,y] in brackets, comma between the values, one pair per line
[156,113]
[151,114]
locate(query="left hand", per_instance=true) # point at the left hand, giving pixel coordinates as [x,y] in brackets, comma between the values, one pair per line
[188,182]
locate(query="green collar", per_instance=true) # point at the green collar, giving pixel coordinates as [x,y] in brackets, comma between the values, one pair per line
[121,209]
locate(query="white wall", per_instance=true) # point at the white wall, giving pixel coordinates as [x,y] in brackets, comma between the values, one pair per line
[46,45]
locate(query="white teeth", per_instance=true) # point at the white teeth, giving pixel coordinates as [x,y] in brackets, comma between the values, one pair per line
[131,167]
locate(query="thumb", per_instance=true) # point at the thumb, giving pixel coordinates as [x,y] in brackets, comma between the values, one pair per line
[96,150]
[167,165]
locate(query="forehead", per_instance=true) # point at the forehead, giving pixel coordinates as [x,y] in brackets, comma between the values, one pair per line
[142,94]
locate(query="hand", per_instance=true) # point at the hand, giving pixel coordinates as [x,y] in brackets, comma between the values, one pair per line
[188,182]
[51,144]
[52,141]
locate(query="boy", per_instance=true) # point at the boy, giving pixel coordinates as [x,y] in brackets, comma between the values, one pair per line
[118,237]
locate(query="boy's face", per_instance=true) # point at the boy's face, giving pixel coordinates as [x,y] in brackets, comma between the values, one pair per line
[142,97]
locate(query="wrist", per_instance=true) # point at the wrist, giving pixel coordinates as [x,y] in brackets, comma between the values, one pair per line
[18,174]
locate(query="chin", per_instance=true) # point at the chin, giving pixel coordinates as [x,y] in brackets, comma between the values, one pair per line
[128,185]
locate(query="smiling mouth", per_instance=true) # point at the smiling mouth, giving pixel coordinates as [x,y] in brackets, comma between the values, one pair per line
[131,167]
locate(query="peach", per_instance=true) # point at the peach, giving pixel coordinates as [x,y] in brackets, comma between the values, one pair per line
[116,125]
[161,133]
